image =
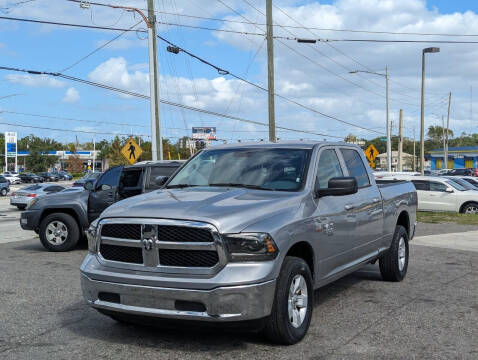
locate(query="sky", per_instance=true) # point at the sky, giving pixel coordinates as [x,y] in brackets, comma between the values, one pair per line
[315,75]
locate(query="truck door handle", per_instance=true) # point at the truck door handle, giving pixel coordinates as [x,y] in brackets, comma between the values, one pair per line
[375,200]
[349,207]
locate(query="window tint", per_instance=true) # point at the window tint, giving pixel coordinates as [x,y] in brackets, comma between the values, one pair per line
[421,185]
[32,187]
[456,185]
[160,171]
[2,179]
[436,186]
[110,177]
[328,168]
[355,165]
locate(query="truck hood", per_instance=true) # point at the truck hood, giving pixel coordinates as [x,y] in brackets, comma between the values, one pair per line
[229,209]
[61,198]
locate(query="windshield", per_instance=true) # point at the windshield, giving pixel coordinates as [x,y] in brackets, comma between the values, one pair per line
[260,168]
[455,185]
[464,183]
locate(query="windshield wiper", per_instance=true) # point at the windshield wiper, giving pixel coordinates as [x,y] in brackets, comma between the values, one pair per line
[180,186]
[247,186]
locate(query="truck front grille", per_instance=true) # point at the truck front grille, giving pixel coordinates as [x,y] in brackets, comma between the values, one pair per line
[125,254]
[161,245]
[188,258]
[122,231]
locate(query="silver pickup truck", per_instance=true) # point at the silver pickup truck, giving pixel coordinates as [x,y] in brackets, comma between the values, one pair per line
[247,232]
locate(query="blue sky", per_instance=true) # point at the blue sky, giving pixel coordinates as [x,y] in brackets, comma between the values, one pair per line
[123,64]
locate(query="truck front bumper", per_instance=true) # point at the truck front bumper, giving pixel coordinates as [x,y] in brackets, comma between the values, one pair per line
[30,219]
[227,303]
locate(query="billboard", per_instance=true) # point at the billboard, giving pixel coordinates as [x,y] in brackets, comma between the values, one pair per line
[11,144]
[204,133]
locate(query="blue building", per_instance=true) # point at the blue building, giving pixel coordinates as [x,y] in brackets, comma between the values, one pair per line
[458,158]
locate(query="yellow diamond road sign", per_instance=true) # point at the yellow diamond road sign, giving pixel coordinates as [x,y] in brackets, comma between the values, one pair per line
[131,151]
[371,153]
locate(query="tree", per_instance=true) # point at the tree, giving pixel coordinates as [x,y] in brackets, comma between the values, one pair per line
[114,155]
[436,133]
[351,138]
[75,164]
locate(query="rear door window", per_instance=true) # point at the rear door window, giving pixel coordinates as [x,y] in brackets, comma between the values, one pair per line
[355,166]
[159,171]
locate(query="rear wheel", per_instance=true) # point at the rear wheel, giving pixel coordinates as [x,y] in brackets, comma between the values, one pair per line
[293,303]
[394,264]
[3,192]
[59,232]
[470,208]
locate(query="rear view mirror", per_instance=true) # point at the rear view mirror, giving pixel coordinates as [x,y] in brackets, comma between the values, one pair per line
[161,180]
[88,185]
[338,186]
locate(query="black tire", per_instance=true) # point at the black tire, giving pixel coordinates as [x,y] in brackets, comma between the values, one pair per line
[472,207]
[21,207]
[278,327]
[389,263]
[72,235]
[3,192]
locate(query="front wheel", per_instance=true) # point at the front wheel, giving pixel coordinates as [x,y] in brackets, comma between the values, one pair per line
[394,264]
[3,192]
[293,303]
[59,232]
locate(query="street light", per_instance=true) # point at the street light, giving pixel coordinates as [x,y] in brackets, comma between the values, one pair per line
[422,116]
[389,142]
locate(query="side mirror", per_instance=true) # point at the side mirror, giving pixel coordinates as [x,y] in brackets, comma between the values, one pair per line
[339,186]
[449,190]
[106,187]
[161,180]
[88,185]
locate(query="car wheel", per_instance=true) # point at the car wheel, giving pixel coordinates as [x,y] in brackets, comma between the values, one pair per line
[293,303]
[470,208]
[59,232]
[21,207]
[394,264]
[4,192]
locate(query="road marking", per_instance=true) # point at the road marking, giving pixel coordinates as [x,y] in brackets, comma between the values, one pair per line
[467,241]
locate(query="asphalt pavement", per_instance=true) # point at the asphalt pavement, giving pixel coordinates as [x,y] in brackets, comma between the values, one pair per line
[432,314]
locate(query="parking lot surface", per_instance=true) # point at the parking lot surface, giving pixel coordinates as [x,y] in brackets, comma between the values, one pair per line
[432,314]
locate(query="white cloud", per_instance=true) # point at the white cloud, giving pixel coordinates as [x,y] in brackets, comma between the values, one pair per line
[71,96]
[35,80]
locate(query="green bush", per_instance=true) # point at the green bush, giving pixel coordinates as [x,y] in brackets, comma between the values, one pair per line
[77,175]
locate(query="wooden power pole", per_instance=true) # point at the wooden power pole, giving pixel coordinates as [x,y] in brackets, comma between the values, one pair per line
[446,132]
[400,142]
[270,71]
[156,141]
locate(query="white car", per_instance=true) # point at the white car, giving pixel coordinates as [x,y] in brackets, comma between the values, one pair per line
[437,193]
[12,179]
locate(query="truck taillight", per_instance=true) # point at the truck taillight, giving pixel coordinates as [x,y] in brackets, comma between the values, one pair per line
[12,194]
[31,195]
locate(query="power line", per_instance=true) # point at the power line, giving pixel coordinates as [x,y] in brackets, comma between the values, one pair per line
[99,48]
[166,102]
[226,72]
[68,119]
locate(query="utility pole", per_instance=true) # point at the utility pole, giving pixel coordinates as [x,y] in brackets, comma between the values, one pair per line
[414,153]
[94,151]
[389,141]
[400,142]
[156,140]
[270,71]
[444,140]
[446,133]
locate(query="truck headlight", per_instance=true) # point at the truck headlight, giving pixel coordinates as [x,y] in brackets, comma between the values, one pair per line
[91,235]
[250,247]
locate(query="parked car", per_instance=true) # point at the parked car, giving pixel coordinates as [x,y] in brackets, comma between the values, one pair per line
[244,232]
[12,179]
[23,197]
[30,178]
[49,176]
[442,194]
[64,175]
[89,176]
[77,209]
[461,172]
[4,186]
[471,179]
[462,182]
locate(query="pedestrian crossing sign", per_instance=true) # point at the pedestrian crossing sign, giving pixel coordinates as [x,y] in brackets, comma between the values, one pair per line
[131,151]
[371,153]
